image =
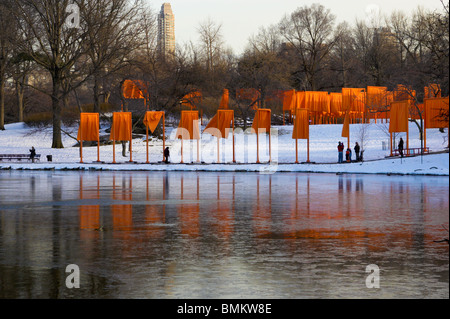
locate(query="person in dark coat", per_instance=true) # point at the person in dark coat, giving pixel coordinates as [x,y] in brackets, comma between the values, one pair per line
[166,155]
[400,147]
[357,149]
[32,153]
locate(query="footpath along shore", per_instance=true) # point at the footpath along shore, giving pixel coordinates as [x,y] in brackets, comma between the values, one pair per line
[429,164]
[18,138]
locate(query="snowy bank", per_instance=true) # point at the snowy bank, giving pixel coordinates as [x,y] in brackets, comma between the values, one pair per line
[18,139]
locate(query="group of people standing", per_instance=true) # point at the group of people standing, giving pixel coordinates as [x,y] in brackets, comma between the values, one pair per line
[358,153]
[348,153]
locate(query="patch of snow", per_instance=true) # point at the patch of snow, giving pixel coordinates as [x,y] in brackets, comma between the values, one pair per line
[18,139]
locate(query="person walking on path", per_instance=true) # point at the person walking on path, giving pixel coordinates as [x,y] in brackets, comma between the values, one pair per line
[32,153]
[340,152]
[357,149]
[400,147]
[166,155]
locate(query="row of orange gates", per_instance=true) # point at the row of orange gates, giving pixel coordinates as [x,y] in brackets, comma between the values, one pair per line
[304,108]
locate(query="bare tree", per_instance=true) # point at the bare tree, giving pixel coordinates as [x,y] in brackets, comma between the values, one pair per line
[211,40]
[363,136]
[267,40]
[214,55]
[309,30]
[51,41]
[343,61]
[22,68]
[113,34]
[436,41]
[263,71]
[6,52]
[363,36]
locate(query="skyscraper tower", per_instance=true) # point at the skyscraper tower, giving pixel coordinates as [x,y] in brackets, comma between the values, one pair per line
[166,30]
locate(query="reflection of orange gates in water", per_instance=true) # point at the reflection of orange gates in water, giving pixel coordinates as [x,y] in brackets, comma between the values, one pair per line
[340,214]
[262,212]
[155,217]
[89,214]
[189,213]
[220,214]
[224,212]
[122,214]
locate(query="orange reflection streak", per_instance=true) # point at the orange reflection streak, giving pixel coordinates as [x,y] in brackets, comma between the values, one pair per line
[400,222]
[122,214]
[154,215]
[189,213]
[327,218]
[89,214]
[224,213]
[261,214]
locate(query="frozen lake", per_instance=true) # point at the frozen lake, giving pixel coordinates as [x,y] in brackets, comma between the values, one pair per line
[222,235]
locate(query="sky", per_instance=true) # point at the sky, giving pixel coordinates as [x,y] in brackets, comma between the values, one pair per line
[241,19]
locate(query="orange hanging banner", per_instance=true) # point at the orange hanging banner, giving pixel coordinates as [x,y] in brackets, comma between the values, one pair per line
[262,120]
[289,100]
[300,100]
[213,124]
[192,99]
[134,89]
[432,91]
[346,126]
[310,101]
[316,101]
[377,98]
[403,93]
[224,102]
[435,111]
[336,104]
[188,127]
[89,127]
[89,130]
[252,95]
[351,99]
[399,115]
[152,119]
[122,126]
[324,102]
[301,124]
[221,122]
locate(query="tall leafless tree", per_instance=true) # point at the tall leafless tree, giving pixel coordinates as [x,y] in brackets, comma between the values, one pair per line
[6,52]
[309,30]
[113,34]
[52,39]
[211,40]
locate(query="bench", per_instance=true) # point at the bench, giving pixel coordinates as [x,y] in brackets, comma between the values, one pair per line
[18,157]
[411,151]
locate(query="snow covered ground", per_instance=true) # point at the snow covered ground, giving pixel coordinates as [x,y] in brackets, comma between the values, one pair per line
[18,139]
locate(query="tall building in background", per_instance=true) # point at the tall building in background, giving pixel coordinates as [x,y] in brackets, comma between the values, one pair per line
[166,30]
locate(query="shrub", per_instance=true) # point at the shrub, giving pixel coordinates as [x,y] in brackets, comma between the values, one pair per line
[69,115]
[39,119]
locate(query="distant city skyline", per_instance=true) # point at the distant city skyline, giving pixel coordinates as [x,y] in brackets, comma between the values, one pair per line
[241,19]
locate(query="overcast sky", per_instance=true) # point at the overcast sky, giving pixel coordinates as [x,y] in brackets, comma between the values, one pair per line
[242,18]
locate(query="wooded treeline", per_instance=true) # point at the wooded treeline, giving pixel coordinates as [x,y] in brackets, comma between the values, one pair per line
[60,55]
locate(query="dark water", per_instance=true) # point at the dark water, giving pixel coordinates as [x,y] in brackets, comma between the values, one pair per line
[222,235]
